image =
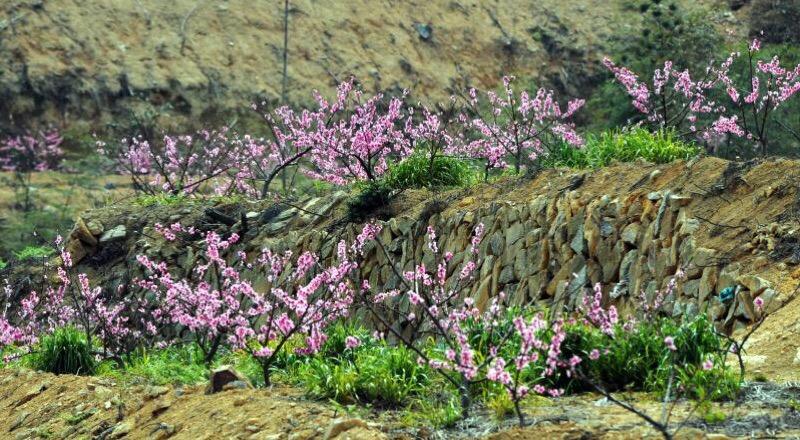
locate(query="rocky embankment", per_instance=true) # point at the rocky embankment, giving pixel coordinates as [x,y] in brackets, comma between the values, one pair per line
[731,226]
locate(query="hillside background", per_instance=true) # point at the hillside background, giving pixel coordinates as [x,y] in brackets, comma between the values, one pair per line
[189,62]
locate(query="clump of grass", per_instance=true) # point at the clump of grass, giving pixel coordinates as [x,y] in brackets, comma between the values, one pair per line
[419,171]
[439,413]
[639,359]
[498,401]
[380,375]
[33,252]
[175,365]
[622,146]
[65,351]
[371,199]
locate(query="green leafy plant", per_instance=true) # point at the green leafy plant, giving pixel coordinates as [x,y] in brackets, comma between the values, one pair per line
[325,379]
[65,351]
[499,402]
[709,414]
[440,413]
[388,376]
[380,375]
[336,344]
[33,252]
[639,359]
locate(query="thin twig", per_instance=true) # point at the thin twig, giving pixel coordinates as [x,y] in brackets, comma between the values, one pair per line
[791,131]
[624,405]
[285,50]
[720,224]
[185,21]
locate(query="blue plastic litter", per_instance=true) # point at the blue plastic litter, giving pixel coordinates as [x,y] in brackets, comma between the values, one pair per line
[727,294]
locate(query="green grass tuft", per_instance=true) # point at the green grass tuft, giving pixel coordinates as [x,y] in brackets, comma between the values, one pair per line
[66,351]
[622,146]
[148,200]
[417,171]
[173,365]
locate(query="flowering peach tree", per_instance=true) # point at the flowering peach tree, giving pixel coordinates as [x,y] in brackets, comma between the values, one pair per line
[25,154]
[218,305]
[356,137]
[517,127]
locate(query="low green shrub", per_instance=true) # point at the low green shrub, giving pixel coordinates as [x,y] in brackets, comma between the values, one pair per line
[65,351]
[439,413]
[498,401]
[335,347]
[388,376]
[329,380]
[622,146]
[640,360]
[371,199]
[160,199]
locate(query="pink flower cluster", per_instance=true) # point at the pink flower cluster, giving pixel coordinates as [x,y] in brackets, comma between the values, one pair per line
[351,138]
[31,152]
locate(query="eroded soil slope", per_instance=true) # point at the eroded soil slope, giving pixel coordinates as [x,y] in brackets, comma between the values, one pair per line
[39,405]
[88,59]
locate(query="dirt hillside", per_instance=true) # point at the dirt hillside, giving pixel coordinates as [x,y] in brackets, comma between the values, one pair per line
[43,406]
[71,60]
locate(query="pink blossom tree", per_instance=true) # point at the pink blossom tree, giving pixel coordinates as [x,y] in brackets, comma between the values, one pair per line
[751,108]
[430,301]
[431,132]
[181,164]
[355,137]
[121,321]
[517,127]
[290,143]
[698,107]
[217,304]
[672,99]
[25,154]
